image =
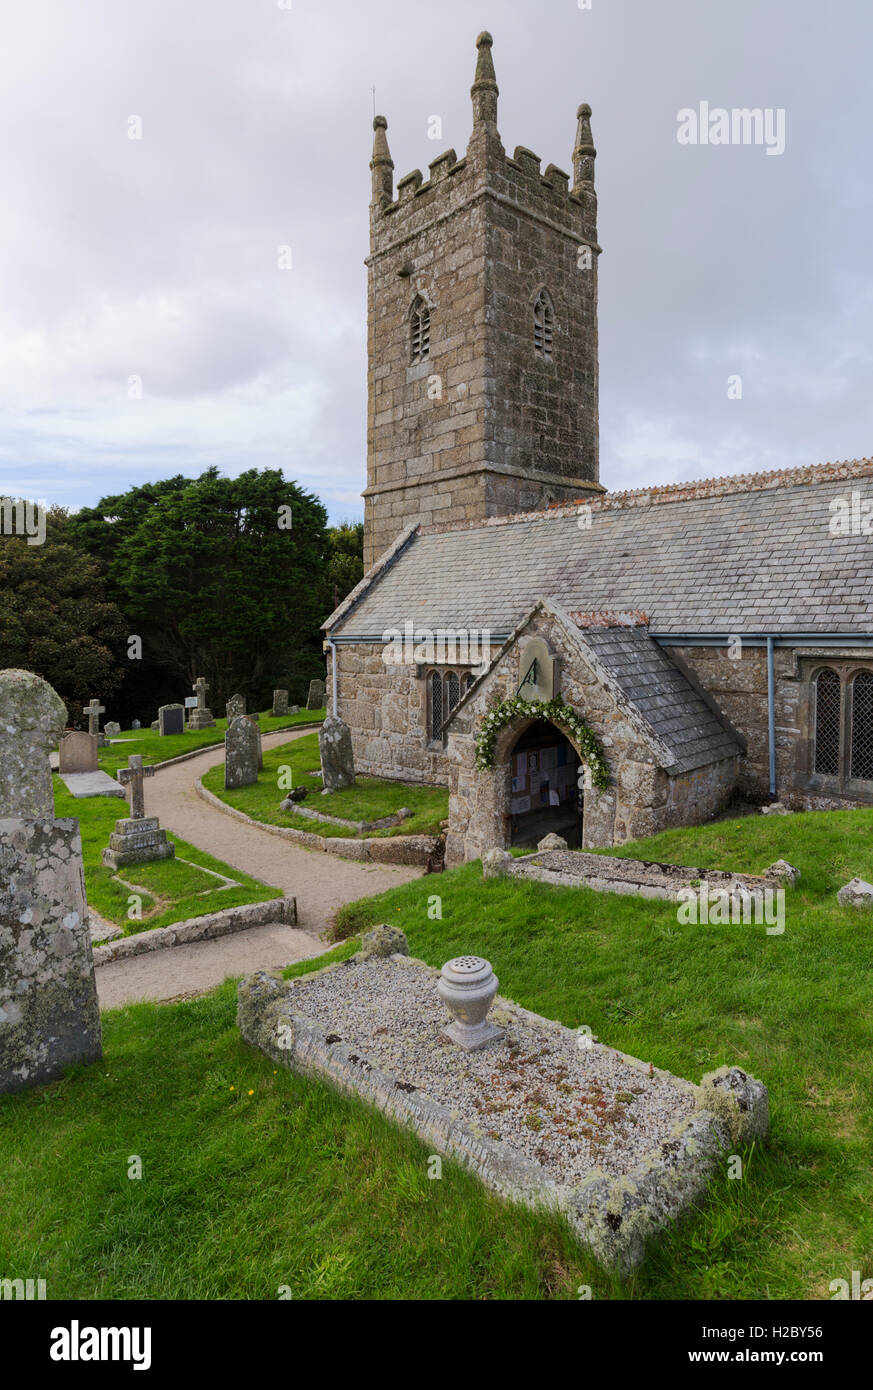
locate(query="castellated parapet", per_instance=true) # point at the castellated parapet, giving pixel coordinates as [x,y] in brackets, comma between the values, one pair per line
[482,337]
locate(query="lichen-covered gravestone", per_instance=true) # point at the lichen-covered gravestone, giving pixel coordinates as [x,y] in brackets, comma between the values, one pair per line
[49,1017]
[256,720]
[280,703]
[112,729]
[138,838]
[316,695]
[235,705]
[240,753]
[337,758]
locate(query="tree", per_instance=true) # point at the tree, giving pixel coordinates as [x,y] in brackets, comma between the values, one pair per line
[221,577]
[55,618]
[345,567]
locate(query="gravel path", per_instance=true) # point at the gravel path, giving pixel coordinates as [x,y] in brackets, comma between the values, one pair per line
[321,883]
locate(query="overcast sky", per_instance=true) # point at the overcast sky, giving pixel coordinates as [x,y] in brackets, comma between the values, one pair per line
[157,258]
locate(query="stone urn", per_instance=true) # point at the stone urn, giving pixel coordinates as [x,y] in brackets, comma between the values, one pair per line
[467,986]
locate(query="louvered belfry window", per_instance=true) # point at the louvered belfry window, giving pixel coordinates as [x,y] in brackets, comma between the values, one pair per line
[827,723]
[544,320]
[862,726]
[419,321]
[436,704]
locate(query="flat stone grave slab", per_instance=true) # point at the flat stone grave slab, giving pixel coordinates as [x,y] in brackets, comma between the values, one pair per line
[546,1115]
[608,873]
[91,784]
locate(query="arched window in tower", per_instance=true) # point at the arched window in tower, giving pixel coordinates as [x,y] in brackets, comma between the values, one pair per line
[436,705]
[827,723]
[544,322]
[419,330]
[862,726]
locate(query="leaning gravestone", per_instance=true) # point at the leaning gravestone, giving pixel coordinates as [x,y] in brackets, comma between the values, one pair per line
[112,730]
[49,1017]
[77,752]
[337,758]
[201,717]
[171,720]
[241,753]
[235,705]
[316,695]
[280,703]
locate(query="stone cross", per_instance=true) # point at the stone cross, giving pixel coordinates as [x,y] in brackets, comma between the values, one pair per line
[200,687]
[94,711]
[132,777]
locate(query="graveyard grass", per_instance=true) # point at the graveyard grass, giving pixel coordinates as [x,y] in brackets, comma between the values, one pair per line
[155,749]
[370,798]
[295,1185]
[175,890]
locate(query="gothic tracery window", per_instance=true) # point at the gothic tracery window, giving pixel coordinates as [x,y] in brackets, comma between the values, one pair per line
[419,331]
[544,320]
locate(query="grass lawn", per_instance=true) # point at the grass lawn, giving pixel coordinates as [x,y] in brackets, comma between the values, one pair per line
[369,799]
[174,890]
[155,749]
[295,1185]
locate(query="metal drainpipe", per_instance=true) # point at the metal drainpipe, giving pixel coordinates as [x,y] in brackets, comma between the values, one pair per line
[332,646]
[771,714]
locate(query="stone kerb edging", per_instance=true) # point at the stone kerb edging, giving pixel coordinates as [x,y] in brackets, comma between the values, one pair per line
[637,877]
[411,850]
[614,1216]
[205,928]
[208,747]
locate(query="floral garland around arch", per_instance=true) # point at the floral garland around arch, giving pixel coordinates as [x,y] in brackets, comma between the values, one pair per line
[556,712]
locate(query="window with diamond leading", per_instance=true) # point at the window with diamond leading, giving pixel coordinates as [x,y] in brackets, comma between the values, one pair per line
[419,331]
[862,726]
[436,704]
[827,723]
[544,319]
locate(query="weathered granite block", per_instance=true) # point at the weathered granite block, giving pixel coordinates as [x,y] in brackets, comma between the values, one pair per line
[241,752]
[337,758]
[137,841]
[49,1017]
[315,699]
[280,703]
[32,718]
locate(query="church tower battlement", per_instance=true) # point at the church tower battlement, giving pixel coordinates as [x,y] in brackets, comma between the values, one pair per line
[482,330]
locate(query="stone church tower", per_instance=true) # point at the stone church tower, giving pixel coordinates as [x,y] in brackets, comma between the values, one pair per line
[482,331]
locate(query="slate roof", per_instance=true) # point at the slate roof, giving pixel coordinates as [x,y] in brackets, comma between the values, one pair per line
[736,555]
[682,723]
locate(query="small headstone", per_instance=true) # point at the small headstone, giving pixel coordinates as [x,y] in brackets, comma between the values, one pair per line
[316,695]
[155,725]
[49,1017]
[138,838]
[235,705]
[171,720]
[280,703]
[856,893]
[201,717]
[135,724]
[77,752]
[551,841]
[240,753]
[337,758]
[94,709]
[382,942]
[295,709]
[112,730]
[783,872]
[496,863]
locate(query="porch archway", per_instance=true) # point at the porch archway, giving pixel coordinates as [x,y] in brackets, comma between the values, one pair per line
[542,796]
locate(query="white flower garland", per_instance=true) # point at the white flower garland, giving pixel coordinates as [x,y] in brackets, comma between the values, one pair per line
[556,712]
